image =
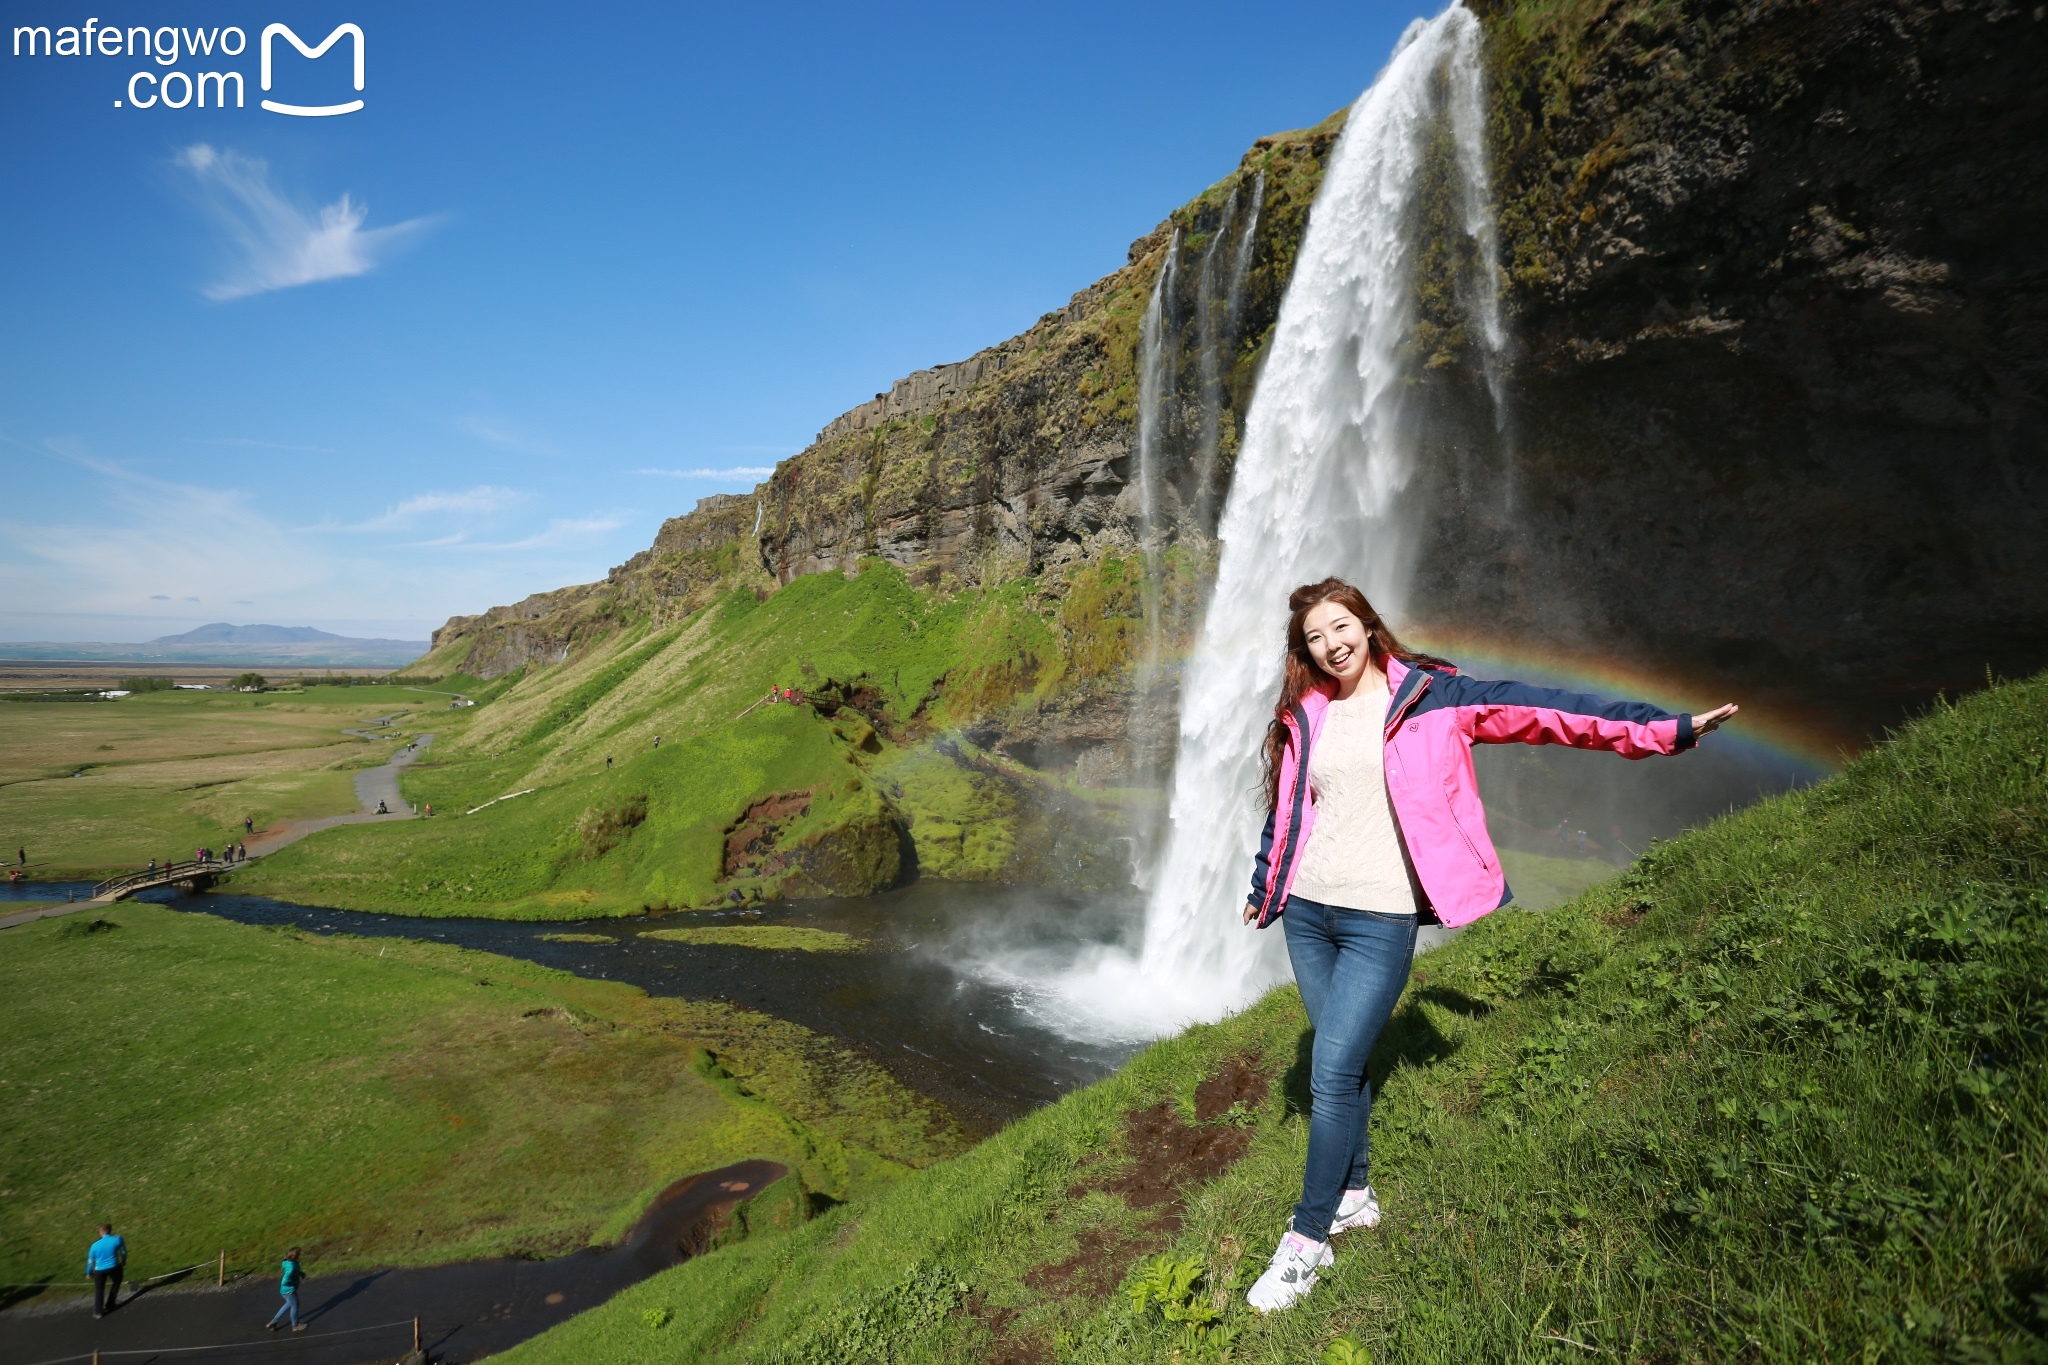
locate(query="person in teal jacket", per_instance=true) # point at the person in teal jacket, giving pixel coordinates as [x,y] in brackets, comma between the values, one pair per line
[288,1285]
[104,1261]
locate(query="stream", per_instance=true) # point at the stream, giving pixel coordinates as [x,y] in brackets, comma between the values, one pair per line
[906,1000]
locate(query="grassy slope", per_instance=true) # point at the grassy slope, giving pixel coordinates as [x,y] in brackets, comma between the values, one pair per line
[165,772]
[210,1085]
[1775,1094]
[932,659]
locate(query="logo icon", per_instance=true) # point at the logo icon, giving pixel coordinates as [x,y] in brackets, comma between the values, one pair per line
[314,54]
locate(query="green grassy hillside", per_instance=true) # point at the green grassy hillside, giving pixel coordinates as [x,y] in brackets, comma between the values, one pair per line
[1776,1094]
[212,1086]
[743,800]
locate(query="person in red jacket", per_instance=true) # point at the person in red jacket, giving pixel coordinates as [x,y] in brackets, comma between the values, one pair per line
[1374,817]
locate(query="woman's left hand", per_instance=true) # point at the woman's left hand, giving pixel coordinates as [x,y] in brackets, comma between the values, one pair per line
[1712,720]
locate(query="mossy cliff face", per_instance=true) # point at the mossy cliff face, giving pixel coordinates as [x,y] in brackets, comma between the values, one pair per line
[1777,398]
[1773,414]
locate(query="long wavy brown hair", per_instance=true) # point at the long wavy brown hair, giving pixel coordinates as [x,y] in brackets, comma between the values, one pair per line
[1302,674]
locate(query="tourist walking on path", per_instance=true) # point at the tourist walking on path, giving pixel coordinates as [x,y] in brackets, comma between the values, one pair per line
[104,1261]
[288,1284]
[1373,821]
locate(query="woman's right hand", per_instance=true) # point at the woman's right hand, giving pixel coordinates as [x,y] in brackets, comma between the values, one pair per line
[1709,721]
[1251,911]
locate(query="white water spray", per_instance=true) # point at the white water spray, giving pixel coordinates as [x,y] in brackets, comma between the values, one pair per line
[1158,354]
[1326,452]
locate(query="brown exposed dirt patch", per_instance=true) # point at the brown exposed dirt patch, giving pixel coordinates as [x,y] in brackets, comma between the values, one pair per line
[1169,1158]
[1098,1263]
[1627,916]
[1240,1082]
[750,841]
[1025,1348]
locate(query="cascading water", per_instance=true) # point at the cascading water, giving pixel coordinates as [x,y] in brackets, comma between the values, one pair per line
[1211,357]
[1158,356]
[1326,451]
[1158,361]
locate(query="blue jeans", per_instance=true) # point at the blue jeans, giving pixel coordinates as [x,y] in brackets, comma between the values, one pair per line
[291,1306]
[1351,966]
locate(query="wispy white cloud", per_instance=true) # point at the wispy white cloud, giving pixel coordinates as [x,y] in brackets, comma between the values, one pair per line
[559,531]
[737,472]
[118,555]
[258,445]
[482,500]
[278,243]
[506,434]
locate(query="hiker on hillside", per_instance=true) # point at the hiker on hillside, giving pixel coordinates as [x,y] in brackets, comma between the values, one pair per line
[104,1261]
[1374,824]
[607,762]
[380,808]
[288,1284]
[21,857]
[248,824]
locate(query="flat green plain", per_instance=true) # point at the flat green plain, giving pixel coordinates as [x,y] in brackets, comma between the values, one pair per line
[92,788]
[210,1086]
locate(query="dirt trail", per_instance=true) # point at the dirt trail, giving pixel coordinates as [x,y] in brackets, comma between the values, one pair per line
[372,785]
[466,1311]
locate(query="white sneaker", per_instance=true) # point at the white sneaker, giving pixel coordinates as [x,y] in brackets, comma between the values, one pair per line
[1291,1274]
[1357,1209]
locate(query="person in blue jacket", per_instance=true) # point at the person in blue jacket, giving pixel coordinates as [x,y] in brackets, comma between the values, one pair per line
[288,1285]
[104,1260]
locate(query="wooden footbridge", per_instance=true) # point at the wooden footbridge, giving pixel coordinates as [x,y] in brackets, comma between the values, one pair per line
[193,876]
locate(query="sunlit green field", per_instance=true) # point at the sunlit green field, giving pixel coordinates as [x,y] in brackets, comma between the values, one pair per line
[210,1086]
[90,788]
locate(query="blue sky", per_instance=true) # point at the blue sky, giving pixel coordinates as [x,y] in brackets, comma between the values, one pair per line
[566,271]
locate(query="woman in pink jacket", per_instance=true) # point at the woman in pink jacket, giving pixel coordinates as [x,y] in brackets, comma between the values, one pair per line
[1374,818]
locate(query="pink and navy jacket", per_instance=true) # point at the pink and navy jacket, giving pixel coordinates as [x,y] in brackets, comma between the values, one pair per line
[1434,717]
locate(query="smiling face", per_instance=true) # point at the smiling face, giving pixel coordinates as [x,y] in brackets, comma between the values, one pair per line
[1337,641]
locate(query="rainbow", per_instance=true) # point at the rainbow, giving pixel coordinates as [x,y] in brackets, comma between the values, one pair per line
[1804,742]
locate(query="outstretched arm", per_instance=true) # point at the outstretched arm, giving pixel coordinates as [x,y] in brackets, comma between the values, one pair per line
[1518,713]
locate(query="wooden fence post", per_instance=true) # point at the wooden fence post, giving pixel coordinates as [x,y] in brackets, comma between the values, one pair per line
[415,1336]
[220,1281]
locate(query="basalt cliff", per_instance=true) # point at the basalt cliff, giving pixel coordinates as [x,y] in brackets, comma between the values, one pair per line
[1772,414]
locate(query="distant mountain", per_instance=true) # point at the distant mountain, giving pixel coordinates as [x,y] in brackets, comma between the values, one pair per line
[221,633]
[222,643]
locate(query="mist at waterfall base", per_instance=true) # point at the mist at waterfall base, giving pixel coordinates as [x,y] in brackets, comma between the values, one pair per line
[1329,449]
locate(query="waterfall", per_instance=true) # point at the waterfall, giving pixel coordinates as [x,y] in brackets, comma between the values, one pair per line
[1219,343]
[1211,346]
[1327,449]
[1158,356]
[1159,353]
